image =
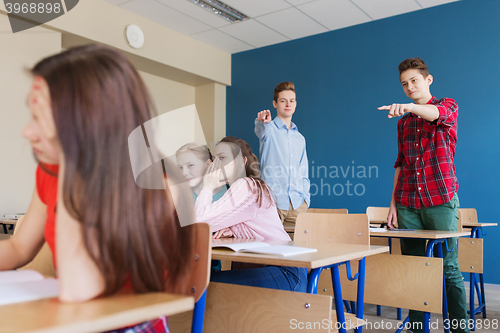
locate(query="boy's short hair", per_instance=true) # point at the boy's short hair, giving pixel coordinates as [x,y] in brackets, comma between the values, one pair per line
[414,63]
[282,87]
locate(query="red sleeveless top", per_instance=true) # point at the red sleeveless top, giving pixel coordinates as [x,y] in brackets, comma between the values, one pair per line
[46,186]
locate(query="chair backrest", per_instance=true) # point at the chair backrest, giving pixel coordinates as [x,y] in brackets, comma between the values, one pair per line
[328,210]
[201,260]
[467,215]
[377,214]
[42,262]
[333,228]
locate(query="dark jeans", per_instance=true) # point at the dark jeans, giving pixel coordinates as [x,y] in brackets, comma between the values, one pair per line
[442,217]
[273,277]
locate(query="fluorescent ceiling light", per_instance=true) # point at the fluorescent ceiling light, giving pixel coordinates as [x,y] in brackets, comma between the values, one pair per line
[219,8]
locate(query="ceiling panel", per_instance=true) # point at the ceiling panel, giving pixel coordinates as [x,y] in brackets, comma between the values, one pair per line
[116,2]
[385,8]
[196,12]
[292,23]
[271,21]
[334,14]
[431,3]
[298,2]
[166,16]
[222,41]
[254,8]
[254,33]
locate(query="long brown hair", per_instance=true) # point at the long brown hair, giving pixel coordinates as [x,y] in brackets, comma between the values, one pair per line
[251,167]
[98,99]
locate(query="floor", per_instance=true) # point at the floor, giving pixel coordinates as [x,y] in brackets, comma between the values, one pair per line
[388,323]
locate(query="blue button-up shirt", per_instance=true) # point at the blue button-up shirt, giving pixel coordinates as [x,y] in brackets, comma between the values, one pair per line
[283,162]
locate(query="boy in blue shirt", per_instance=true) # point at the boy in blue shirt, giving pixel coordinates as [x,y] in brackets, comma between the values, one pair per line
[283,157]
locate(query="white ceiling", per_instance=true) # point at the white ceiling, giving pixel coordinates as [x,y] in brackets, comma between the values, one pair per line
[271,21]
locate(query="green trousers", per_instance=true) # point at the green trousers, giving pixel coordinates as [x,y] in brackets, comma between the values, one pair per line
[442,217]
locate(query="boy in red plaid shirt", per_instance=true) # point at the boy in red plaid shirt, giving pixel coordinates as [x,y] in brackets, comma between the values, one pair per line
[425,185]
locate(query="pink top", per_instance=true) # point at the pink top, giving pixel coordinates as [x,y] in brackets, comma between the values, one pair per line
[238,210]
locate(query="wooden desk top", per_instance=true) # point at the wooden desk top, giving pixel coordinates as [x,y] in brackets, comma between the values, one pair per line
[51,316]
[8,222]
[327,254]
[425,234]
[478,224]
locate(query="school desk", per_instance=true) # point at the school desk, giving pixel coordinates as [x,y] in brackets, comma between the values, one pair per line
[99,315]
[6,223]
[433,237]
[328,256]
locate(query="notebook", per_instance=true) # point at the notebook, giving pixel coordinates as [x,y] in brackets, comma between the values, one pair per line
[264,248]
[25,285]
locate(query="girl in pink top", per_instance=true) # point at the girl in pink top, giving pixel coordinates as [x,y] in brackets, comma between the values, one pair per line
[247,210]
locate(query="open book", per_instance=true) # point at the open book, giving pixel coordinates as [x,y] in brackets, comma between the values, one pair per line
[264,248]
[25,285]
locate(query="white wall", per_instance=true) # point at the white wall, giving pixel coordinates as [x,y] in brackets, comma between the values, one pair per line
[169,64]
[17,166]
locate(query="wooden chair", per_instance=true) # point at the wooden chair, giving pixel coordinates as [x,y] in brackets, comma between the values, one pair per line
[243,309]
[291,230]
[415,283]
[404,269]
[466,215]
[198,283]
[378,215]
[332,228]
[470,260]
[42,262]
[328,210]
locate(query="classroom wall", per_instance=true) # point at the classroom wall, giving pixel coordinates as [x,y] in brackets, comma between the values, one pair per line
[169,63]
[17,165]
[342,76]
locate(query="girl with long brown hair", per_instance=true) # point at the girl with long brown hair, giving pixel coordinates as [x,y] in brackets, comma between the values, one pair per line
[246,210]
[106,233]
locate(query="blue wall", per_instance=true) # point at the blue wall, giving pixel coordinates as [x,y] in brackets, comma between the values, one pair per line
[342,76]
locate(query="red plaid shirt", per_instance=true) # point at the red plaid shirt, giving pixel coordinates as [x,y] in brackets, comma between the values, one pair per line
[425,154]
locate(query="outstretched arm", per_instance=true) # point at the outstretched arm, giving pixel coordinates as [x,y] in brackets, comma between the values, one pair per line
[263,118]
[428,112]
[22,247]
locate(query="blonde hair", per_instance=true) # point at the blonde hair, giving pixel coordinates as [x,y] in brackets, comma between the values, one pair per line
[201,151]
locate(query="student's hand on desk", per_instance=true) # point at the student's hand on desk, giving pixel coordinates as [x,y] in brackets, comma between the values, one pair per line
[396,110]
[264,116]
[392,218]
[211,179]
[223,233]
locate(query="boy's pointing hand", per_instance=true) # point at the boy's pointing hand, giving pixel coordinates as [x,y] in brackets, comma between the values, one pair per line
[264,116]
[396,110]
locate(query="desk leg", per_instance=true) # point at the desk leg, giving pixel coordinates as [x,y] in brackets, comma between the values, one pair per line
[337,294]
[312,280]
[446,317]
[199,314]
[472,311]
[429,252]
[361,292]
[481,296]
[427,322]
